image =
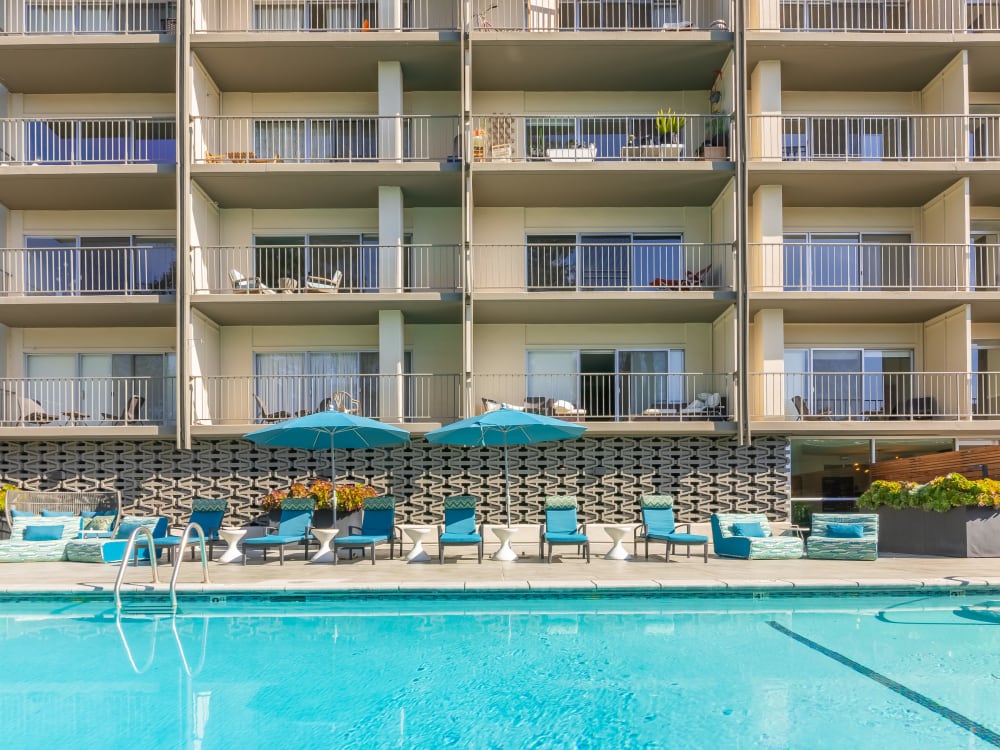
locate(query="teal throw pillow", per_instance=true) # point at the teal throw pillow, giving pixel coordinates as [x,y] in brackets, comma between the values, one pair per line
[49,533]
[55,513]
[16,513]
[747,528]
[845,530]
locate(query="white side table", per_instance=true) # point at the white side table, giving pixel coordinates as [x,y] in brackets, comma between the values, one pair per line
[506,553]
[617,551]
[325,537]
[233,538]
[417,535]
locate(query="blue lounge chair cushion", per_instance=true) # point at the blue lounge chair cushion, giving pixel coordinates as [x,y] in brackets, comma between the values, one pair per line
[361,539]
[749,529]
[560,537]
[845,530]
[275,539]
[449,537]
[20,513]
[48,533]
[126,529]
[680,538]
[55,513]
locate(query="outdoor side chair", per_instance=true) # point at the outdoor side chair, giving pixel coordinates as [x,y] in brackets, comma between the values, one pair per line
[208,514]
[378,526]
[293,528]
[658,524]
[459,525]
[561,527]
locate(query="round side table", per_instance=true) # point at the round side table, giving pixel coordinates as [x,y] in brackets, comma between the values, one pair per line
[506,553]
[325,537]
[417,534]
[233,538]
[617,551]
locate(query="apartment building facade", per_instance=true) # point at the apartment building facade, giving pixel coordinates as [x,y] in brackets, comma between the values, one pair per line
[754,248]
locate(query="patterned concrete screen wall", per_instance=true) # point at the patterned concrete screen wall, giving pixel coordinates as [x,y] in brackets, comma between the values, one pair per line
[608,474]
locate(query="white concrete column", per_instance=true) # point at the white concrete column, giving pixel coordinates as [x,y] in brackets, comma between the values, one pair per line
[390,110]
[765,99]
[390,15]
[766,236]
[390,239]
[390,365]
[768,399]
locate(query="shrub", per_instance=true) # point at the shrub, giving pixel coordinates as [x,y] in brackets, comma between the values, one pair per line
[350,497]
[941,494]
[3,494]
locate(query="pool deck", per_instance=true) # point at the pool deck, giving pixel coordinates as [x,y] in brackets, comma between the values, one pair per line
[461,572]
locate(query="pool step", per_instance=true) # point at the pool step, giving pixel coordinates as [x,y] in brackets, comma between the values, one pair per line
[146,606]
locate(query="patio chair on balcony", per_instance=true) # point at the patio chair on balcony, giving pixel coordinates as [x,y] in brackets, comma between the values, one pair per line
[340,401]
[30,411]
[131,413]
[270,416]
[244,285]
[324,285]
[562,409]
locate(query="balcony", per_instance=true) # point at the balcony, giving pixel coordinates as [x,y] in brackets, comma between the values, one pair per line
[272,45]
[227,405]
[37,285]
[81,46]
[617,402]
[294,284]
[593,160]
[87,406]
[905,159]
[610,282]
[904,402]
[877,16]
[551,44]
[61,163]
[317,161]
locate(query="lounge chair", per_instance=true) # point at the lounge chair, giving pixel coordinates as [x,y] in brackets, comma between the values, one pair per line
[243,285]
[561,527]
[270,416]
[748,536]
[30,411]
[843,536]
[131,413]
[658,525]
[563,409]
[208,513]
[324,285]
[111,550]
[378,526]
[293,528]
[340,401]
[459,525]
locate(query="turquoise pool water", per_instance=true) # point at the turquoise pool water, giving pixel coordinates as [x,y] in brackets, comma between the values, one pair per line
[892,670]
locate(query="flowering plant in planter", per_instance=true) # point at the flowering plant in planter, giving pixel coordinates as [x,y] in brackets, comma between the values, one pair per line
[350,497]
[3,494]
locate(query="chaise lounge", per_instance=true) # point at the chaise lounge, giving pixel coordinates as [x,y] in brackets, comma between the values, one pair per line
[843,536]
[748,536]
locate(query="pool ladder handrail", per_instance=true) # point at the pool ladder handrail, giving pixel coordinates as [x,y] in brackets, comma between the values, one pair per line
[185,537]
[129,551]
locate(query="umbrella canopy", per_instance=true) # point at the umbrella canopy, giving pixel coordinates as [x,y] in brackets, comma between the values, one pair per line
[505,427]
[329,430]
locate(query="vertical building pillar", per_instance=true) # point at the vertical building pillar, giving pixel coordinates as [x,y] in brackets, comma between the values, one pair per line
[767,130]
[390,15]
[767,359]
[390,365]
[390,110]
[767,236]
[390,239]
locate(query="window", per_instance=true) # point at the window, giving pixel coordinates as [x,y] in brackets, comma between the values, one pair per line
[96,388]
[619,14]
[846,262]
[295,257]
[984,273]
[315,15]
[986,379]
[103,141]
[607,261]
[846,138]
[299,383]
[317,138]
[81,266]
[848,383]
[608,134]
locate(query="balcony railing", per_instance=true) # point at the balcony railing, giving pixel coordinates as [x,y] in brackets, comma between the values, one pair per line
[313,139]
[884,16]
[88,17]
[326,268]
[325,15]
[600,15]
[612,397]
[91,140]
[650,265]
[262,399]
[87,401]
[87,271]
[871,396]
[587,138]
[873,138]
[873,267]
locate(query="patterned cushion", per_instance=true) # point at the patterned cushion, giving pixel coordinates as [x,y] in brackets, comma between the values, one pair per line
[21,551]
[383,502]
[98,523]
[70,527]
[560,502]
[656,501]
[776,548]
[459,502]
[209,505]
[821,521]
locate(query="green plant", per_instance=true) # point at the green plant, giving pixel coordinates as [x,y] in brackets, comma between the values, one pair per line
[669,122]
[350,497]
[717,131]
[3,494]
[941,494]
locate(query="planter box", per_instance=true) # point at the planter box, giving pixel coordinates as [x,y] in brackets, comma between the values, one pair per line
[961,532]
[584,153]
[714,153]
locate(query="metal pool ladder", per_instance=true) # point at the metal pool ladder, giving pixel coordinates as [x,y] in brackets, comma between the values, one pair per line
[155,607]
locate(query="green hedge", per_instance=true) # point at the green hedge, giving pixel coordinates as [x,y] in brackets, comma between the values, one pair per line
[940,494]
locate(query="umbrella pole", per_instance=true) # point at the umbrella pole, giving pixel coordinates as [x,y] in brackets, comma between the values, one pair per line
[506,474]
[333,481]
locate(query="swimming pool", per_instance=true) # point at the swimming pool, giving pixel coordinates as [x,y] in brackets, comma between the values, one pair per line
[904,669]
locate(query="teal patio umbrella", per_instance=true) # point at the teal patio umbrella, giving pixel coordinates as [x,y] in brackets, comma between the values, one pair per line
[503,427]
[330,429]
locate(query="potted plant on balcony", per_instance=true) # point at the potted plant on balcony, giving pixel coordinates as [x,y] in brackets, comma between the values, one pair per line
[950,516]
[668,126]
[716,144]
